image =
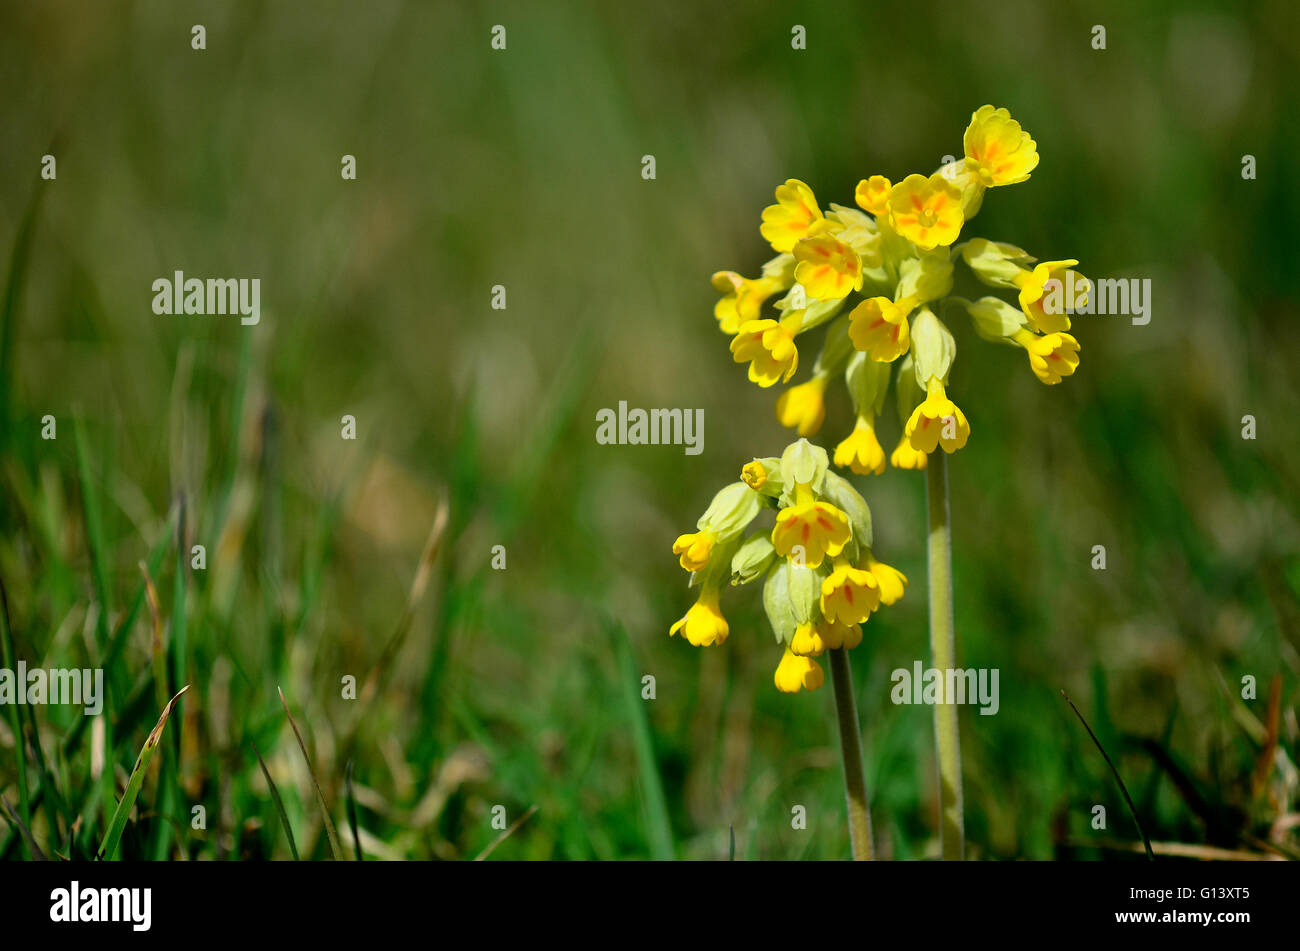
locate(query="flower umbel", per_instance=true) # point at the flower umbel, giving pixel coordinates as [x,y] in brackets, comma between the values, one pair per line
[820,580]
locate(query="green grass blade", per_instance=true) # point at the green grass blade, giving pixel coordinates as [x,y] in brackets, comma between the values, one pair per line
[1128,801]
[352,812]
[15,723]
[113,836]
[26,833]
[279,803]
[320,797]
[659,827]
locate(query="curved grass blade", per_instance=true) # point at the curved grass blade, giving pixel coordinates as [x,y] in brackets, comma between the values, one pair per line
[26,833]
[352,812]
[330,831]
[113,836]
[279,803]
[1122,788]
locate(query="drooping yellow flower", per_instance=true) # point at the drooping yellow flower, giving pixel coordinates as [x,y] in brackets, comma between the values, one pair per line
[742,299]
[796,673]
[891,581]
[1033,285]
[803,407]
[827,268]
[937,422]
[703,623]
[817,528]
[768,347]
[754,475]
[873,195]
[1051,356]
[905,457]
[849,594]
[878,326]
[807,642]
[835,635]
[997,150]
[860,451]
[926,211]
[794,216]
[694,549]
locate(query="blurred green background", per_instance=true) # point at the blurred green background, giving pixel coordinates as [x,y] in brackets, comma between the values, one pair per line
[522,168]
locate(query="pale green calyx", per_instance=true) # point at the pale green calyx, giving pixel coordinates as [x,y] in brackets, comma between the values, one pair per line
[753,558]
[994,262]
[804,463]
[933,348]
[731,510]
[995,320]
[868,383]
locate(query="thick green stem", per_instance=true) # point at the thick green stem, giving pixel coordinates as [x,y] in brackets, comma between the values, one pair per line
[943,658]
[855,784]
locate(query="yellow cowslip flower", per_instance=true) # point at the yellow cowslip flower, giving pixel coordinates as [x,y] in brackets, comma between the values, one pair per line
[703,623]
[794,216]
[754,475]
[849,594]
[997,149]
[803,407]
[768,347]
[835,635]
[1032,286]
[743,298]
[819,528]
[878,326]
[872,195]
[827,268]
[937,422]
[905,457]
[891,581]
[926,211]
[1051,356]
[694,549]
[807,642]
[796,673]
[860,451]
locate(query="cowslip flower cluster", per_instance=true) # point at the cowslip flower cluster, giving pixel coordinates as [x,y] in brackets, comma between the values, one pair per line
[897,250]
[822,581]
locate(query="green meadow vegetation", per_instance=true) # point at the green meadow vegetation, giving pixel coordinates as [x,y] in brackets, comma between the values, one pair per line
[349,674]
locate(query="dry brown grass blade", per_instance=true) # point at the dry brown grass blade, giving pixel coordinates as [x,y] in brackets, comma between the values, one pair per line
[1264,765]
[320,797]
[506,834]
[1186,850]
[432,546]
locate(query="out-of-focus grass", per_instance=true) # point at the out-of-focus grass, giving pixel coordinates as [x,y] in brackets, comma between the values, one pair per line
[523,168]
